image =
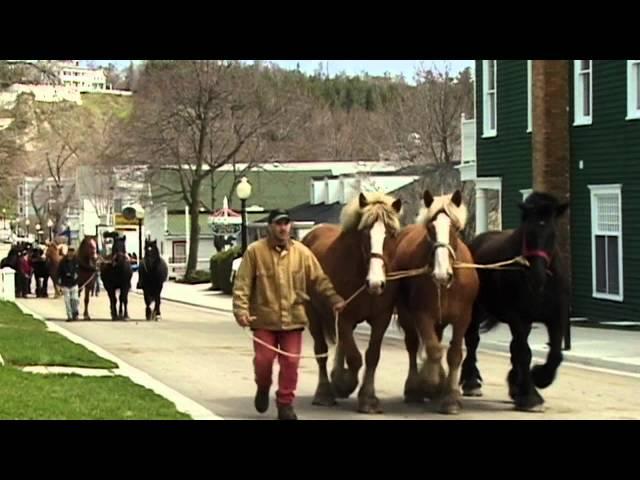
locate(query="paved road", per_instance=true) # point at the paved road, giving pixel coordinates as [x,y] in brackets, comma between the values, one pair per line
[205,356]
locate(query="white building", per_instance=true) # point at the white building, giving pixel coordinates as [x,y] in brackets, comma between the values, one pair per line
[85,79]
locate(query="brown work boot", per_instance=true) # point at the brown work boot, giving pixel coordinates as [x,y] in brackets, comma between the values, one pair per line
[261,401]
[286,412]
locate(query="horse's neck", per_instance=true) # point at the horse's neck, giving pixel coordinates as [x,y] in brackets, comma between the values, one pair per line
[349,252]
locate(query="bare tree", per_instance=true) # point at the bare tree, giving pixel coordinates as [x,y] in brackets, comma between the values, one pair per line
[60,191]
[196,116]
[25,71]
[426,120]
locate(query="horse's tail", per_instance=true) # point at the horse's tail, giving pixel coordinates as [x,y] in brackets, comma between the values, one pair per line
[326,320]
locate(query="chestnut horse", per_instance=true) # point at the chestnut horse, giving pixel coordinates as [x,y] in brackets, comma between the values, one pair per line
[354,255]
[429,302]
[88,260]
[54,256]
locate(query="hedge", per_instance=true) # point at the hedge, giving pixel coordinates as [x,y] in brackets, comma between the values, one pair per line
[221,269]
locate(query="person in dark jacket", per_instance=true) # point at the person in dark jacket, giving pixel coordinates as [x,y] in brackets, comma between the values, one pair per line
[68,280]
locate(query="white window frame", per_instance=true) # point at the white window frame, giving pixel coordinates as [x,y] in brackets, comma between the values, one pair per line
[594,191]
[529,94]
[487,131]
[578,94]
[633,90]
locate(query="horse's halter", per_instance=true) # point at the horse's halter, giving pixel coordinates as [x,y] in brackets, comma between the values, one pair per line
[527,252]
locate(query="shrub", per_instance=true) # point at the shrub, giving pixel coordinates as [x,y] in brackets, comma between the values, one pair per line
[223,261]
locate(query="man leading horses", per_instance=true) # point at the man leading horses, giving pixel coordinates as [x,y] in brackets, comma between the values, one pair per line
[269,293]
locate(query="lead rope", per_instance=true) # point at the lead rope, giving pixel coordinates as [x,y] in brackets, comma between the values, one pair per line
[392,276]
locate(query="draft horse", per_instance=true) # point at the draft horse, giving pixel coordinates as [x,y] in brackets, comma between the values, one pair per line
[358,252]
[443,296]
[521,296]
[87,256]
[116,276]
[152,274]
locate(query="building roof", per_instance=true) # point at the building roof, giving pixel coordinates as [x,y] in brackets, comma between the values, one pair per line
[319,213]
[280,189]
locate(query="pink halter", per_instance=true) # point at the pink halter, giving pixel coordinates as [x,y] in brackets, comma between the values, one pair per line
[535,253]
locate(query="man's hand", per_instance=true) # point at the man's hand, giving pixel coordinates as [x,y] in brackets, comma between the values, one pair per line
[339,307]
[244,320]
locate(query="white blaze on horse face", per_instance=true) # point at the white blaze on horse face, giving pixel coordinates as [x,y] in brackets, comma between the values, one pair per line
[376,276]
[442,270]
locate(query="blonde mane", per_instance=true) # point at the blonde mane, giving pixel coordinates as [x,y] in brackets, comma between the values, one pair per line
[379,207]
[458,215]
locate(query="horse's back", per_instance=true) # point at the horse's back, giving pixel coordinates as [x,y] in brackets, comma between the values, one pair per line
[492,246]
[320,239]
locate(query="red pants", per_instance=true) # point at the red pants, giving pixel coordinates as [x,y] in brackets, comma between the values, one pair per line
[289,341]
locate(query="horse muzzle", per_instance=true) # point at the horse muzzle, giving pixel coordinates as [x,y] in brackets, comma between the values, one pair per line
[443,279]
[375,288]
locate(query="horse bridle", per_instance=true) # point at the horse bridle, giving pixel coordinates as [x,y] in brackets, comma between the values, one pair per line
[526,252]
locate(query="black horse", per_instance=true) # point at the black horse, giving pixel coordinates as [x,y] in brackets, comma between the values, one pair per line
[520,296]
[116,275]
[40,271]
[152,274]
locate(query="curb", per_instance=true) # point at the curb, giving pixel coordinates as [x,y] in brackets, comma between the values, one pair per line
[489,346]
[182,403]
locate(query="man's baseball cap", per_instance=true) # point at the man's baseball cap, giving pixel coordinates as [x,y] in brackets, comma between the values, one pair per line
[279,214]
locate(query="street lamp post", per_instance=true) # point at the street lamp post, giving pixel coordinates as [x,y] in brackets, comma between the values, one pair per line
[38,230]
[27,222]
[243,191]
[50,226]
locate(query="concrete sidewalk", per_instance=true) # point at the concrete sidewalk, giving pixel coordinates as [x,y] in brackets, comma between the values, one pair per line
[597,347]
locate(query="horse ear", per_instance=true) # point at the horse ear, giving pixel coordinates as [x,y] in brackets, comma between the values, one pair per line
[560,209]
[397,205]
[363,200]
[428,198]
[456,198]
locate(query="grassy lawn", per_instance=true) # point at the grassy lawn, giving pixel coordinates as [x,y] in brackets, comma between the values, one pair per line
[27,396]
[25,340]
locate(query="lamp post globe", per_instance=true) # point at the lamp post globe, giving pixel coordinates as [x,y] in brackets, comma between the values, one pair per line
[243,191]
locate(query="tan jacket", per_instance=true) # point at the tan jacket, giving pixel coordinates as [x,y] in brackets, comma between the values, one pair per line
[272,285]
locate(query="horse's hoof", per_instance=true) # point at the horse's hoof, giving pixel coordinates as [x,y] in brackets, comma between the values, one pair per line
[541,376]
[472,388]
[324,401]
[324,396]
[472,392]
[369,405]
[530,403]
[344,383]
[450,405]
